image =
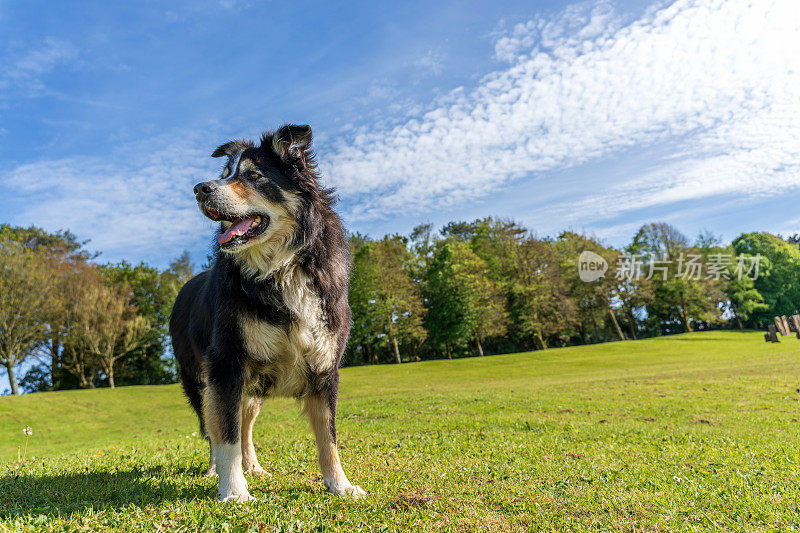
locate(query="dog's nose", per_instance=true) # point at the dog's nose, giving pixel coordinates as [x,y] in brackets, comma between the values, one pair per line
[203,190]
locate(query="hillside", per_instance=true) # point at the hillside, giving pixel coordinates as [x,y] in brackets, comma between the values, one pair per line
[696,429]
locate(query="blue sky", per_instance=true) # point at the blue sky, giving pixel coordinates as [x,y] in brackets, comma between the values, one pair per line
[592,116]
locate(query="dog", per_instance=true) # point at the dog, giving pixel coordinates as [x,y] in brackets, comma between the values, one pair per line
[270,317]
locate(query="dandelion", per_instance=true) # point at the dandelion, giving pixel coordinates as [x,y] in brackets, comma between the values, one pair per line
[27,431]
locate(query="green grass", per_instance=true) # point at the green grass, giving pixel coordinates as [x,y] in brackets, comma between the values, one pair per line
[695,431]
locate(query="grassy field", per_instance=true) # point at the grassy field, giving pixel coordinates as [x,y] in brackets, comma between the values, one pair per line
[695,431]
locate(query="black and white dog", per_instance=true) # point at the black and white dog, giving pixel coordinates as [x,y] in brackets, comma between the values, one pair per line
[270,318]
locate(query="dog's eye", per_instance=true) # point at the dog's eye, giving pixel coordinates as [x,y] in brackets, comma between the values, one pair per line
[253,175]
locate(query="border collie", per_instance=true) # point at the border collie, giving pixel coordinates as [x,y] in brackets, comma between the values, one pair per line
[270,317]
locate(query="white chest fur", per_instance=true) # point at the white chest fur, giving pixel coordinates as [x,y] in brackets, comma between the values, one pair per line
[286,354]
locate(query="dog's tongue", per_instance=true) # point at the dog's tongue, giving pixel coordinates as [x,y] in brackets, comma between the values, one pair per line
[236,230]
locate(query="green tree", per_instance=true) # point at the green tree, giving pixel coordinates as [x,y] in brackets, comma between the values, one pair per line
[61,244]
[386,304]
[745,300]
[107,327]
[67,258]
[595,315]
[539,304]
[152,294]
[464,303]
[497,242]
[778,280]
[25,305]
[683,293]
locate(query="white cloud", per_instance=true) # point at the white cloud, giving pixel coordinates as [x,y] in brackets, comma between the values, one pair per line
[135,201]
[717,77]
[717,81]
[24,70]
[431,61]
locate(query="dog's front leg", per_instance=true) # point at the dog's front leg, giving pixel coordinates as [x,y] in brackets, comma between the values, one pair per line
[250,410]
[321,410]
[222,413]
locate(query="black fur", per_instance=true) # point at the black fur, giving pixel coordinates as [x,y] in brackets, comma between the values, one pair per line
[206,337]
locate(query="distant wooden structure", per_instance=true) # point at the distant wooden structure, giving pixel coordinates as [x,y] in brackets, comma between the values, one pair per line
[772,335]
[783,325]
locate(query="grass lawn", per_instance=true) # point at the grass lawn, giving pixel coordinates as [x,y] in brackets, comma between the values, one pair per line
[691,431]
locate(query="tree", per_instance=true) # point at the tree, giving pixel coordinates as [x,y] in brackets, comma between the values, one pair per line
[633,294]
[489,303]
[152,293]
[25,305]
[683,292]
[66,256]
[745,300]
[464,303]
[73,280]
[593,300]
[108,327]
[539,301]
[497,242]
[450,319]
[61,244]
[778,280]
[386,304]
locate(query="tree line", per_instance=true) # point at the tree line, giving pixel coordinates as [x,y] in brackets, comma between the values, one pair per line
[493,286]
[471,288]
[77,323]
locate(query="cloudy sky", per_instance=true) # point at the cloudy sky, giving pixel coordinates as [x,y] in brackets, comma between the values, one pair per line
[592,116]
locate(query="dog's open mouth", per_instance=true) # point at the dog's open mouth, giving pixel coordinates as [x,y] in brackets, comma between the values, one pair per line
[241,230]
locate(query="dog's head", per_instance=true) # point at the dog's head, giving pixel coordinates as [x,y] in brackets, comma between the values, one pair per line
[257,198]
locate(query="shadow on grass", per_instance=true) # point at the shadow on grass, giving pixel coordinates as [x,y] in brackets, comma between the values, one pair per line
[60,494]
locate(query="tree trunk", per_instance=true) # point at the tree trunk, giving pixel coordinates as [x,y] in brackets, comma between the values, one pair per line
[739,322]
[396,351]
[632,320]
[449,353]
[12,379]
[85,383]
[480,347]
[541,340]
[685,317]
[111,376]
[616,324]
[53,363]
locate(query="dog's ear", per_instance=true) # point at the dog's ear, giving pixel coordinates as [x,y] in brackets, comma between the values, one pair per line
[232,148]
[290,142]
[224,149]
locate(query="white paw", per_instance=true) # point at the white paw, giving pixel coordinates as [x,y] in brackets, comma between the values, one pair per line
[211,472]
[256,470]
[240,498]
[346,489]
[355,492]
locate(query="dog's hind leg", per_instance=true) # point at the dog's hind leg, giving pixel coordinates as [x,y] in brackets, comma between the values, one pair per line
[250,409]
[321,410]
[222,411]
[193,389]
[212,462]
